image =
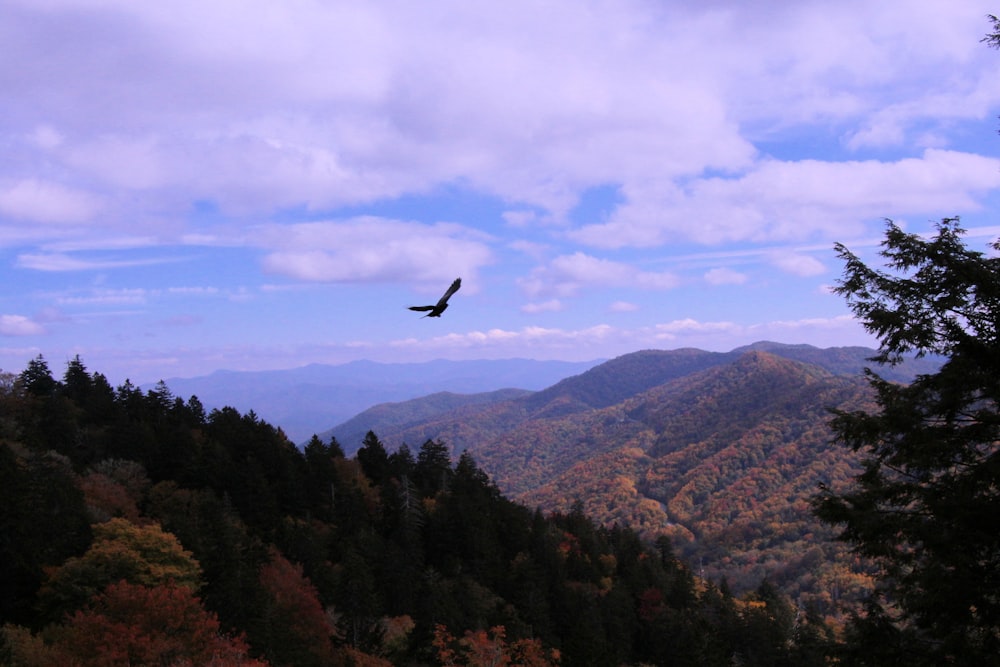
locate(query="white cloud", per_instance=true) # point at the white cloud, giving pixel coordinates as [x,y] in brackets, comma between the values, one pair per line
[603,339]
[498,343]
[373,249]
[567,274]
[102,243]
[534,103]
[57,261]
[777,200]
[183,321]
[692,326]
[552,305]
[534,250]
[623,307]
[41,201]
[121,161]
[46,137]
[724,276]
[519,218]
[19,325]
[799,265]
[724,124]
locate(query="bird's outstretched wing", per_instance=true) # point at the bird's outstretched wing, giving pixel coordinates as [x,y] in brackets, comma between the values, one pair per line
[451,290]
[442,304]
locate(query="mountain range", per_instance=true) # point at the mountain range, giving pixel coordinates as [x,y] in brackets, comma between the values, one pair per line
[307,400]
[719,451]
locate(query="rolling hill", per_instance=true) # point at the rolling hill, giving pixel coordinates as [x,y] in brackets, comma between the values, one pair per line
[719,451]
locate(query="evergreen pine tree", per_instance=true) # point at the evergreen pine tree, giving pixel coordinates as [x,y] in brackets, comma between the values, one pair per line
[926,507]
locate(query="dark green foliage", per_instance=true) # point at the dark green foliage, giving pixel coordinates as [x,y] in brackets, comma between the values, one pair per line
[432,471]
[37,379]
[926,506]
[373,458]
[229,555]
[993,38]
[308,553]
[43,522]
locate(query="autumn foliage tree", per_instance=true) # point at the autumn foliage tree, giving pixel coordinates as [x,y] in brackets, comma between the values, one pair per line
[482,648]
[143,555]
[130,624]
[297,629]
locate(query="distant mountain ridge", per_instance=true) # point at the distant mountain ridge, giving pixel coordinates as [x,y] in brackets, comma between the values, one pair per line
[720,451]
[603,385]
[406,413]
[307,400]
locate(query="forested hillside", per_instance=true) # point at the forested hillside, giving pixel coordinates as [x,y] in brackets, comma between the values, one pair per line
[721,452]
[139,529]
[725,461]
[400,415]
[602,386]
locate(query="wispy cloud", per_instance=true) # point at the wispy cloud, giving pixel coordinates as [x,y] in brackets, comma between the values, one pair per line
[19,325]
[550,306]
[135,296]
[623,307]
[724,276]
[58,261]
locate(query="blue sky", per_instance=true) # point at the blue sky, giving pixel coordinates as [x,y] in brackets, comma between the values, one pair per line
[189,186]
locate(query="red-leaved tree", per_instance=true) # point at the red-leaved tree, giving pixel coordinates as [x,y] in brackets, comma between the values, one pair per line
[297,630]
[130,624]
[490,649]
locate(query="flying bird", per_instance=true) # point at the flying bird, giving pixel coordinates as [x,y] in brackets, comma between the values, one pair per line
[442,304]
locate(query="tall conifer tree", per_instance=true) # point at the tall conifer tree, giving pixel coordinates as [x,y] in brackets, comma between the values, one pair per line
[926,507]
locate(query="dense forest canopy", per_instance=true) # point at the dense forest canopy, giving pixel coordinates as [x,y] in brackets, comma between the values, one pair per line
[140,529]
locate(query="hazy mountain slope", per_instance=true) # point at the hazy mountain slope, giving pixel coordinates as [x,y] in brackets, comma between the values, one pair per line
[310,399]
[621,377]
[610,383]
[724,461]
[394,416]
[845,360]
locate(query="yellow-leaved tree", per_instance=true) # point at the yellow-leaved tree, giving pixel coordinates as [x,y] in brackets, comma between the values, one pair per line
[121,550]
